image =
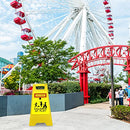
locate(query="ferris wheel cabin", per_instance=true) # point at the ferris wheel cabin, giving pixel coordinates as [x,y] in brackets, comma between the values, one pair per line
[15,4]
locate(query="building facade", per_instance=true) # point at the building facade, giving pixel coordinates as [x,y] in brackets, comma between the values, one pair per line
[4,62]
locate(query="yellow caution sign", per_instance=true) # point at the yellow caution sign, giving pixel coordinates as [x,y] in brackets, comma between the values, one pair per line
[40,106]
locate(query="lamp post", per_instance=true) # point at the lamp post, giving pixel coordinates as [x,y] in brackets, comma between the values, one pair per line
[1,79]
[112,80]
[19,81]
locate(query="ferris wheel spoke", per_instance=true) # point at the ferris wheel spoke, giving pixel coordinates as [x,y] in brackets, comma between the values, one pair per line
[56,27]
[99,37]
[93,33]
[52,20]
[72,26]
[93,44]
[90,39]
[77,35]
[83,30]
[99,25]
[90,43]
[75,3]
[52,11]
[103,40]
[61,3]
[62,27]
[99,15]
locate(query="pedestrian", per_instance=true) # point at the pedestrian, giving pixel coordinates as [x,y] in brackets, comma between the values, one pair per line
[117,96]
[121,95]
[126,92]
[109,96]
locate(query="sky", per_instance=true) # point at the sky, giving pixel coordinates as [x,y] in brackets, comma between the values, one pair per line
[10,41]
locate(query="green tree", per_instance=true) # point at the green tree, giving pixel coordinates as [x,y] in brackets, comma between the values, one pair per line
[12,82]
[46,60]
[115,80]
[120,77]
[124,77]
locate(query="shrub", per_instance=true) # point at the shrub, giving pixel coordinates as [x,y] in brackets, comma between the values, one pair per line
[98,100]
[9,93]
[99,90]
[13,93]
[64,87]
[26,94]
[96,91]
[121,112]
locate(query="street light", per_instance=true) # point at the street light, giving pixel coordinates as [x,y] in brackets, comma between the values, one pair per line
[19,81]
[1,79]
[112,81]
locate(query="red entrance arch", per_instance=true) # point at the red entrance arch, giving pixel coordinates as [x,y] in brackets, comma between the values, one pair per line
[99,56]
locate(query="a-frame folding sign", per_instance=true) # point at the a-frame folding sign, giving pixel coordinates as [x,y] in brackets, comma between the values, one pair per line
[40,106]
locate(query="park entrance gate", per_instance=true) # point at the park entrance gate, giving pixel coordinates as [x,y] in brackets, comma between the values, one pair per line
[100,56]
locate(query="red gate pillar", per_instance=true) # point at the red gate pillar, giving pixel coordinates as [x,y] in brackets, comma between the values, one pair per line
[129,78]
[128,69]
[84,84]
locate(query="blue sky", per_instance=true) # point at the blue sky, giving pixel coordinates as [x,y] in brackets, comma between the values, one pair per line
[10,42]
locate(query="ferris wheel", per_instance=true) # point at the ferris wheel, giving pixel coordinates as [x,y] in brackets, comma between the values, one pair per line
[84,24]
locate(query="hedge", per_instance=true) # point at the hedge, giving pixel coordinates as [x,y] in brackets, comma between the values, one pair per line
[99,90]
[95,90]
[64,87]
[121,112]
[98,100]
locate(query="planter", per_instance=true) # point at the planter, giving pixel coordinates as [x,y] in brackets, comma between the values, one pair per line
[20,104]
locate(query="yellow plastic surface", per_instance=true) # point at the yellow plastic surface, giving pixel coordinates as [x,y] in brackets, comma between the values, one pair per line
[40,106]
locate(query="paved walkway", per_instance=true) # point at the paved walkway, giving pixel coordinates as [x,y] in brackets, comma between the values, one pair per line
[104,105]
[87,117]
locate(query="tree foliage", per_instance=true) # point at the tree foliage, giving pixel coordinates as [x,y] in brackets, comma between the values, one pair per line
[124,77]
[120,77]
[46,60]
[12,82]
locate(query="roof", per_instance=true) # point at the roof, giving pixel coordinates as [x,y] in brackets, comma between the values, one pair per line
[5,61]
[9,66]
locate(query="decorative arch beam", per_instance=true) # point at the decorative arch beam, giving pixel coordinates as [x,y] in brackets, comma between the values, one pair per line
[101,56]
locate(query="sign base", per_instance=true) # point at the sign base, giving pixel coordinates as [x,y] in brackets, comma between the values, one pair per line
[34,119]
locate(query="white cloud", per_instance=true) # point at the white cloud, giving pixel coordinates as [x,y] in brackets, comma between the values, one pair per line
[121,16]
[10,32]
[5,39]
[9,50]
[120,7]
